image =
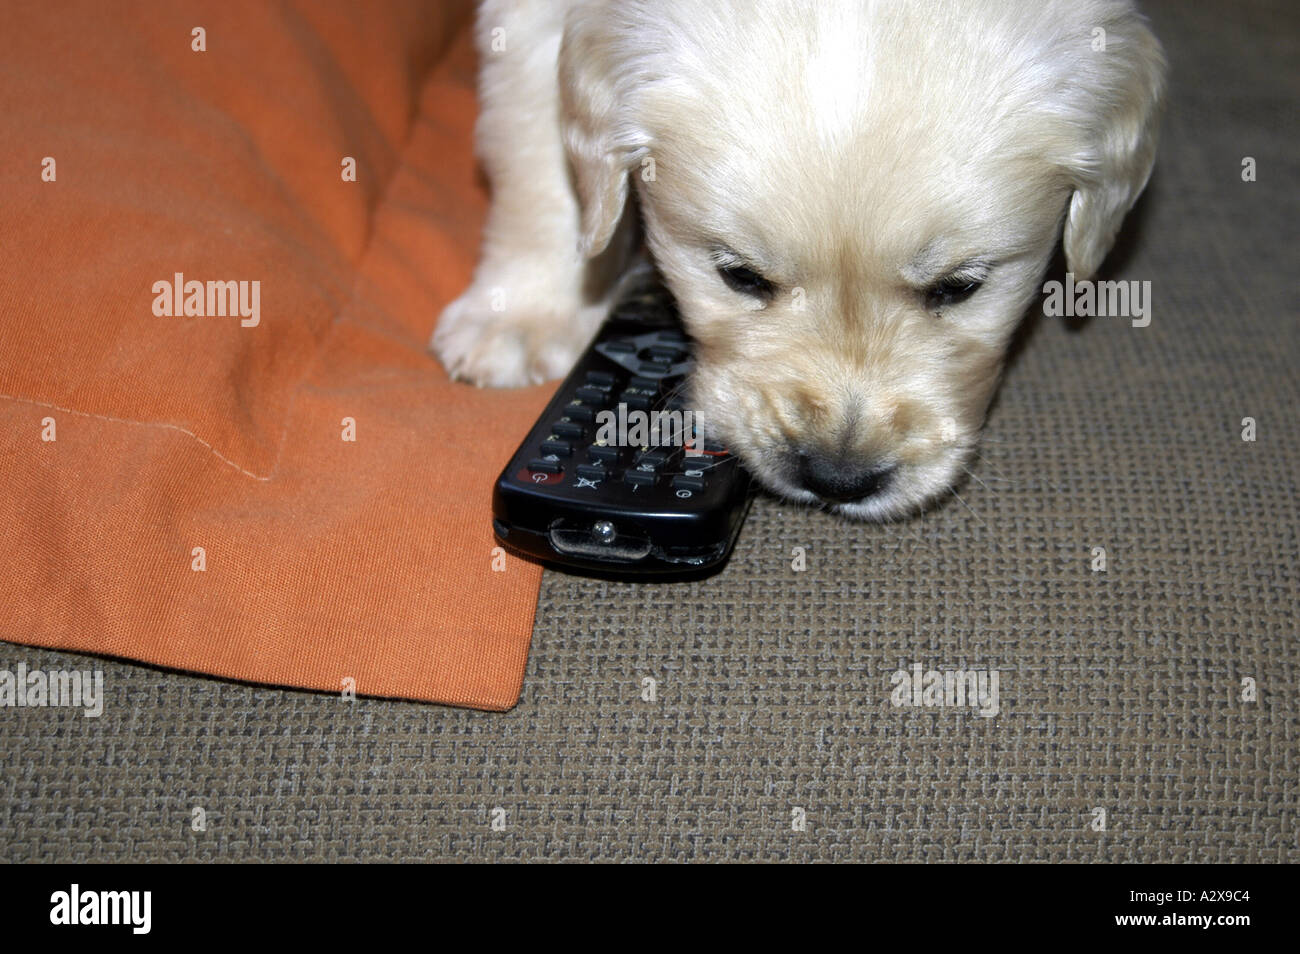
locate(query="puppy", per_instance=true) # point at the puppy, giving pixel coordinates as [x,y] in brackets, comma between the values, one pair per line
[853,201]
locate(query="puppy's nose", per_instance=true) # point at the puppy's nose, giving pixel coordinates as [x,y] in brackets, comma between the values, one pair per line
[841,478]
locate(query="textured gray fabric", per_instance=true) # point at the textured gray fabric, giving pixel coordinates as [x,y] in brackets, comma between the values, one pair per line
[1119,690]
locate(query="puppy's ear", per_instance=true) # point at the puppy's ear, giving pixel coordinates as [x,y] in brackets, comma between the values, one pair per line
[1126,74]
[595,137]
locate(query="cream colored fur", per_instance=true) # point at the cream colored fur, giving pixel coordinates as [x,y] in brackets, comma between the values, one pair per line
[853,152]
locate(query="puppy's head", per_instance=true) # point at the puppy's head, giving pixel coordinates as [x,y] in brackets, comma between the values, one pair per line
[854,204]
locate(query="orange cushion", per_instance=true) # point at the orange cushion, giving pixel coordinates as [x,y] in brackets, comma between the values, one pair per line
[198,506]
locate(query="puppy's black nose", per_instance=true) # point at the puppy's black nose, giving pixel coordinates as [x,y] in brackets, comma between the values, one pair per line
[842,478]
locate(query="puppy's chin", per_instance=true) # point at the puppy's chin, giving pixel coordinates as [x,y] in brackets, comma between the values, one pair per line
[912,488]
[744,421]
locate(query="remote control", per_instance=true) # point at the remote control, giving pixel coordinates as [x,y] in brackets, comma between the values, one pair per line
[619,473]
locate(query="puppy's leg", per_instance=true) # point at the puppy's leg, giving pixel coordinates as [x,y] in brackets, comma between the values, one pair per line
[534,303]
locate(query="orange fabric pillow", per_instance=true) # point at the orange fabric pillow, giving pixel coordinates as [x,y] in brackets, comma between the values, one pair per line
[178,490]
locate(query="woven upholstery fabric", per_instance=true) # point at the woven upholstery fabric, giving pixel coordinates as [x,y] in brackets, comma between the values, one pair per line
[1119,691]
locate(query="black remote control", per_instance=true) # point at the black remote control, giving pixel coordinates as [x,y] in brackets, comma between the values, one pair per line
[619,473]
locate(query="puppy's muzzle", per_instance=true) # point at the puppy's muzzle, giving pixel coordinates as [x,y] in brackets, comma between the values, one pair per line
[842,476]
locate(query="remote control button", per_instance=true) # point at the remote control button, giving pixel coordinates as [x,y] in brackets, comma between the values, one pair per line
[557,447]
[654,458]
[567,428]
[667,352]
[592,394]
[580,412]
[645,384]
[640,478]
[637,399]
[656,368]
[601,377]
[591,472]
[538,465]
[674,337]
[693,484]
[620,346]
[539,477]
[603,452]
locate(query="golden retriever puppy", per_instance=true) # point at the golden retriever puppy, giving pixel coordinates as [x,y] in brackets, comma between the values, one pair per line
[853,201]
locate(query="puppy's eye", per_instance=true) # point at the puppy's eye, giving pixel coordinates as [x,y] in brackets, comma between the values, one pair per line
[746,281]
[951,291]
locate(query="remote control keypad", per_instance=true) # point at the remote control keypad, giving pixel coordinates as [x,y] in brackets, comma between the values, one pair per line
[651,368]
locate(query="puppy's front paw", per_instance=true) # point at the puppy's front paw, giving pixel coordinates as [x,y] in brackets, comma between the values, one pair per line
[501,349]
